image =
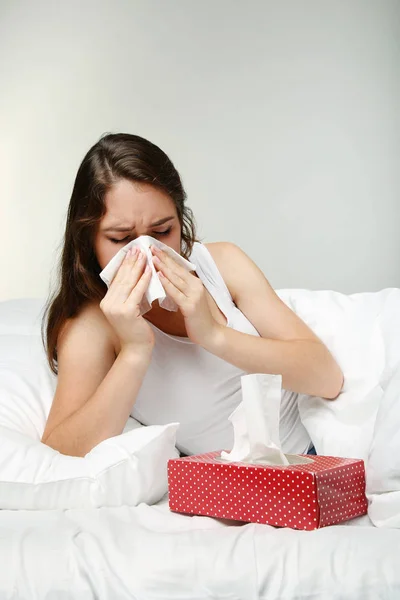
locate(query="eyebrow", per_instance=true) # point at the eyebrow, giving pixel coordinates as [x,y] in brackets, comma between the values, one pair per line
[123,228]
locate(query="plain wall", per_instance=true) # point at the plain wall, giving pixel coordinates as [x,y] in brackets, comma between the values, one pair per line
[282,117]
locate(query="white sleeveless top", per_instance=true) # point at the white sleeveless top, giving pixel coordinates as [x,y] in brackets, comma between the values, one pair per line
[187,384]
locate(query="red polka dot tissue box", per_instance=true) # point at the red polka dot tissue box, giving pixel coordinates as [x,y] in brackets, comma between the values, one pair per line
[323,492]
[257,482]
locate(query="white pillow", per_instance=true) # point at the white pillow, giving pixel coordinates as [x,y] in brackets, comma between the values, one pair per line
[383,473]
[21,316]
[27,384]
[127,469]
[362,332]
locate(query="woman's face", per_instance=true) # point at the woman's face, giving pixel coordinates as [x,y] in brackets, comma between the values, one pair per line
[134,209]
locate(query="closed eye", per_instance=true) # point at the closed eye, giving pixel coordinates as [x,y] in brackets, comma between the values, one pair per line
[118,241]
[125,239]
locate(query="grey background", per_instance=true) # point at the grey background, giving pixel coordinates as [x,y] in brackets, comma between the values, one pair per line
[283,119]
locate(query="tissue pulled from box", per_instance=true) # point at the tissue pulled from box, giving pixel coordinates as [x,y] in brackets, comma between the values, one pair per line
[256,423]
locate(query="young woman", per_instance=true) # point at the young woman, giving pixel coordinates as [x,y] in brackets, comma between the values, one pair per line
[164,366]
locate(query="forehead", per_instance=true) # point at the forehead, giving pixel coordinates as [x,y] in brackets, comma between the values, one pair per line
[131,203]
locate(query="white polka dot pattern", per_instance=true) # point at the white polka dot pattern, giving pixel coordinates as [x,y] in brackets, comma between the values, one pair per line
[308,496]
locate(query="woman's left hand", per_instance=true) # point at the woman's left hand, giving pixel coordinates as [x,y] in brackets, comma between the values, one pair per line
[189,293]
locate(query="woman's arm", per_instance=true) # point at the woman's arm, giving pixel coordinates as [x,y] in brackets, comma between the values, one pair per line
[95,391]
[287,345]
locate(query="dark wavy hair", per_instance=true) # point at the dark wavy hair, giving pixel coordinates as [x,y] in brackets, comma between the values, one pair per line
[113,157]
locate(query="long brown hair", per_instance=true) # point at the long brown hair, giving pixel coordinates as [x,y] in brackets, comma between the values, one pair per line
[113,157]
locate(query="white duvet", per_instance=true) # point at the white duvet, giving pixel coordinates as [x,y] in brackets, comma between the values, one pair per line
[148,553]
[383,466]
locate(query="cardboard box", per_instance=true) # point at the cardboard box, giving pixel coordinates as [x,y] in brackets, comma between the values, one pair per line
[324,492]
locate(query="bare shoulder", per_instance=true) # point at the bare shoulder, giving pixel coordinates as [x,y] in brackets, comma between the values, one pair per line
[221,248]
[88,325]
[234,265]
[224,254]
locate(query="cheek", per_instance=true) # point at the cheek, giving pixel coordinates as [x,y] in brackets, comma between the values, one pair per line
[175,241]
[105,252]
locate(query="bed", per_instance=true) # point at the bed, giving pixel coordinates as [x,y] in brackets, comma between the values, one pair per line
[140,549]
[147,553]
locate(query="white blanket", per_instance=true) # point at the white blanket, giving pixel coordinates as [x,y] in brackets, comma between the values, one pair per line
[383,467]
[148,553]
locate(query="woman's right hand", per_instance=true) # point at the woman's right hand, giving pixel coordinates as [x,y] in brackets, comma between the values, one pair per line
[120,305]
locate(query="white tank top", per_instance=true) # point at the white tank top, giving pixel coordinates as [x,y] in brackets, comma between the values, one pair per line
[187,384]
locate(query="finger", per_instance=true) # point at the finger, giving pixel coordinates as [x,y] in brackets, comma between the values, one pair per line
[127,264]
[129,277]
[173,276]
[172,291]
[136,295]
[130,270]
[170,262]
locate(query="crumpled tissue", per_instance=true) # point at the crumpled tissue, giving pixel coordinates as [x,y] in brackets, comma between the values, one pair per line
[155,291]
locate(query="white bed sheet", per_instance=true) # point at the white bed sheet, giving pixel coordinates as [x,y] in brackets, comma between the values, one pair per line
[149,553]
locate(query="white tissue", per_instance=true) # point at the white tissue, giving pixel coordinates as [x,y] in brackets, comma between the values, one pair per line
[256,423]
[155,291]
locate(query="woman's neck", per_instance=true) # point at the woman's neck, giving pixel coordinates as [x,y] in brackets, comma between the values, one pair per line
[171,322]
